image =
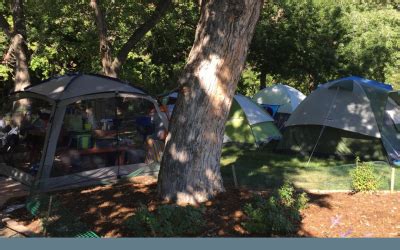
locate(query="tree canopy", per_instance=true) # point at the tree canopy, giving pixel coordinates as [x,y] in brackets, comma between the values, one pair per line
[302,43]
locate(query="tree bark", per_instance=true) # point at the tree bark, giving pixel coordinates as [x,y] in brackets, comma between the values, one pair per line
[105,45]
[21,54]
[190,168]
[18,53]
[111,66]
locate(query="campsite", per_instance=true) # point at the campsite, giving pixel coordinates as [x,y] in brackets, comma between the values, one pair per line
[199,119]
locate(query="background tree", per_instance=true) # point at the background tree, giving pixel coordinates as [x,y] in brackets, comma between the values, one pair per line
[62,37]
[371,45]
[297,40]
[110,65]
[190,168]
[17,55]
[307,42]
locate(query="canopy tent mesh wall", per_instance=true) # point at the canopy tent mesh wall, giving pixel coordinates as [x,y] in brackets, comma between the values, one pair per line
[97,130]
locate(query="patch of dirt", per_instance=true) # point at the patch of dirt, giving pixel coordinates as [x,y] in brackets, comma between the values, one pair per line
[352,215]
[106,208]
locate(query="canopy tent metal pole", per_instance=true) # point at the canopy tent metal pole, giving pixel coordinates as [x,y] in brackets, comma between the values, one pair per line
[49,148]
[323,126]
[116,103]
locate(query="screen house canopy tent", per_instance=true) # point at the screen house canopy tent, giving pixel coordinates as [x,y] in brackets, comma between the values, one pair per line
[80,129]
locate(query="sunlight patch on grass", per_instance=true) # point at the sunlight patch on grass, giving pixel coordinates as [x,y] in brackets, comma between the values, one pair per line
[260,168]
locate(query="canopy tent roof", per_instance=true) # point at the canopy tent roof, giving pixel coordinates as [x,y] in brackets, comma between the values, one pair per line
[75,85]
[286,97]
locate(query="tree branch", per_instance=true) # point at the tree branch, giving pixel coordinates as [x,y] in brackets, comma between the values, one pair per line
[140,32]
[100,22]
[5,26]
[7,57]
[19,17]
[105,48]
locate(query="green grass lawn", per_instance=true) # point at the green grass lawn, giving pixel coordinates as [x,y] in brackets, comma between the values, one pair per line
[260,168]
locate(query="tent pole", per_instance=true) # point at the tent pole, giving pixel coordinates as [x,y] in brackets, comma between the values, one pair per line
[392,179]
[323,127]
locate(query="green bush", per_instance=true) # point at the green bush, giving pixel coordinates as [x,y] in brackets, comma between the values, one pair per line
[167,221]
[279,214]
[363,178]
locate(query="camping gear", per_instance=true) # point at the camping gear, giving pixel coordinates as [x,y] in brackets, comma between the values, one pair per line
[69,154]
[249,123]
[347,117]
[280,101]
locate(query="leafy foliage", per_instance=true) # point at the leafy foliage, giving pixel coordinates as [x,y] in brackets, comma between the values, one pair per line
[307,42]
[280,213]
[299,42]
[363,177]
[167,221]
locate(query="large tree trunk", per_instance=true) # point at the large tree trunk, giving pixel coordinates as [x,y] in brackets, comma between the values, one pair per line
[190,168]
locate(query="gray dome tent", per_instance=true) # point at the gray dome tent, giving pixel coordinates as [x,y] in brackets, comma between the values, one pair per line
[95,130]
[350,116]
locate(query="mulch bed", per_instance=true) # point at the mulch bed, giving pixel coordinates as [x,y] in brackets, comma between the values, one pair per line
[106,208]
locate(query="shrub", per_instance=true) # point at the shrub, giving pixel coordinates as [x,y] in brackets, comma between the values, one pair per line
[167,221]
[280,213]
[363,178]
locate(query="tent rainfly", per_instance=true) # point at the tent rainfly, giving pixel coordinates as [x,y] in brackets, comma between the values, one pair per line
[349,116]
[249,123]
[280,101]
[80,129]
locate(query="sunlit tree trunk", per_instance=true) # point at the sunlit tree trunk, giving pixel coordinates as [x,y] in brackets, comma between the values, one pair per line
[190,168]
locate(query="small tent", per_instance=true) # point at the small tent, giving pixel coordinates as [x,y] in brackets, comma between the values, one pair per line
[349,116]
[80,129]
[280,101]
[249,123]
